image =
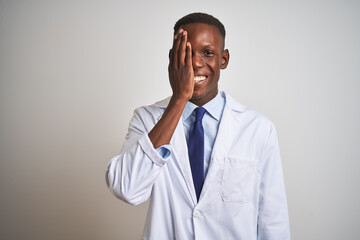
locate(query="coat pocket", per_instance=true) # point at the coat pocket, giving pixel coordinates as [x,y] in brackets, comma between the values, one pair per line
[239,180]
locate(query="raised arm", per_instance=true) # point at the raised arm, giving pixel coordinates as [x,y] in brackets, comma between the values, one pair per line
[131,174]
[181,76]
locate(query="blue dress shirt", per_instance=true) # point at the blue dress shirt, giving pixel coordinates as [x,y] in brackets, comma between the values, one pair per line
[211,120]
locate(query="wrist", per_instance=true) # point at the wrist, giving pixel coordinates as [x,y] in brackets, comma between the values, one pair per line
[178,100]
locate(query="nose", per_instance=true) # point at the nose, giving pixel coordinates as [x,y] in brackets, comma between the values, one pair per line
[197,61]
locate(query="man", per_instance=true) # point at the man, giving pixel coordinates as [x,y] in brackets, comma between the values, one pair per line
[210,166]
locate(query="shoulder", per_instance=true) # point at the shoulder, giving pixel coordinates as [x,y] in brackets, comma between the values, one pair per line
[239,110]
[154,110]
[245,115]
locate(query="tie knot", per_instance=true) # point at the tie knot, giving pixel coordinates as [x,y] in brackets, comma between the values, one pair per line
[199,113]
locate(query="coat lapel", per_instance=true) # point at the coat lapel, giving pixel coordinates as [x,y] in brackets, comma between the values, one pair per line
[180,152]
[223,141]
[220,150]
[182,157]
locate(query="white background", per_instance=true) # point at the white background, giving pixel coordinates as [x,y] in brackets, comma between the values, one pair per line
[72,73]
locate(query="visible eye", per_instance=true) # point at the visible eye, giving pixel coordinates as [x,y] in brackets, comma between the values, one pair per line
[208,53]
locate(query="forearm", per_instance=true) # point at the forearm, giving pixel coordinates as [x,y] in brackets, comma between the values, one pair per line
[163,131]
[131,174]
[181,77]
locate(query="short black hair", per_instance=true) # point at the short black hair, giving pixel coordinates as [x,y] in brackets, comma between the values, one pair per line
[199,17]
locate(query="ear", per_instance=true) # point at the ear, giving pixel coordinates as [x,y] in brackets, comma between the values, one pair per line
[225,59]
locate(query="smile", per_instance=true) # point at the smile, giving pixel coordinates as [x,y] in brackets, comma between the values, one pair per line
[198,79]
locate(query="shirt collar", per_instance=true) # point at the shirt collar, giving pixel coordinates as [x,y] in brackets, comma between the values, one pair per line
[230,103]
[213,108]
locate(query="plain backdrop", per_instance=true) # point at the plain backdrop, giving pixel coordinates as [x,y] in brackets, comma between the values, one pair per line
[72,72]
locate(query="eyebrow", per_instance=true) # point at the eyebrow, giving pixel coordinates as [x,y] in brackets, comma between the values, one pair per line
[214,47]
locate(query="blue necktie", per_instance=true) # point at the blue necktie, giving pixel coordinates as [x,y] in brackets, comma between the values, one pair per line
[196,150]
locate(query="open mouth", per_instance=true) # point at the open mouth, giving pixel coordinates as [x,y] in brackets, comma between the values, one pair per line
[199,78]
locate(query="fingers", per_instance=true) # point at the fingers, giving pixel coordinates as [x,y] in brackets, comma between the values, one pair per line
[188,55]
[170,58]
[178,52]
[181,74]
[182,48]
[175,49]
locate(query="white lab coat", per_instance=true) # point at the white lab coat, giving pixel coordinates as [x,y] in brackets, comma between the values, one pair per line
[243,196]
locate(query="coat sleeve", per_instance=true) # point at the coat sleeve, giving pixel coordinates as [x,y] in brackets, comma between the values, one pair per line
[130,175]
[273,220]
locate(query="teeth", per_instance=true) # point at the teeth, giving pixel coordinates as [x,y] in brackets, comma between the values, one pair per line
[199,78]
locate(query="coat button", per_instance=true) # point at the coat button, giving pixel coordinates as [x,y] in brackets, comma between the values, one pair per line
[196,213]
